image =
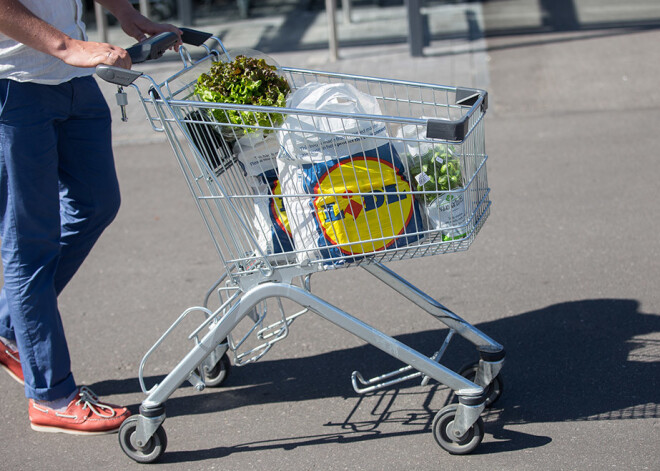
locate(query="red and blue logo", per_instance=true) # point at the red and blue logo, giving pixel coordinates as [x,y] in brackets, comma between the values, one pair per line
[280,232]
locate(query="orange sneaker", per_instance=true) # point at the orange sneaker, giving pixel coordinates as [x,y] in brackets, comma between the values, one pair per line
[11,362]
[85,415]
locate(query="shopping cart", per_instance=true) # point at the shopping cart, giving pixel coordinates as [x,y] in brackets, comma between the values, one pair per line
[395,200]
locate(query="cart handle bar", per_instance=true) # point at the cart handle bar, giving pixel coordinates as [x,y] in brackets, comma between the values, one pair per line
[149,49]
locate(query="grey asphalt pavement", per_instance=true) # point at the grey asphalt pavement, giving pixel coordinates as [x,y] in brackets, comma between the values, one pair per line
[564,273]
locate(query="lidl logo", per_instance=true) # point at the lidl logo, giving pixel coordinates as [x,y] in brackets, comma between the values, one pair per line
[364,204]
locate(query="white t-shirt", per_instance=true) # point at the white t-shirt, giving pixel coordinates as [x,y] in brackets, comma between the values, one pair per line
[24,64]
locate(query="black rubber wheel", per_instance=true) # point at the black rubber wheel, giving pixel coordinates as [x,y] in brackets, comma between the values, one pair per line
[494,389]
[456,446]
[217,375]
[152,450]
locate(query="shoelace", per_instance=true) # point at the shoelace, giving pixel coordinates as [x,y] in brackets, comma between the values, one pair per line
[90,400]
[11,355]
[11,352]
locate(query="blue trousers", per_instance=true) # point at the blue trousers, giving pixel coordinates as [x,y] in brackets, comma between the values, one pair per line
[58,192]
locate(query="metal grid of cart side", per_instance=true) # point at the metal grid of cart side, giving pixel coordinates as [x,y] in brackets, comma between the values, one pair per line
[427,126]
[208,152]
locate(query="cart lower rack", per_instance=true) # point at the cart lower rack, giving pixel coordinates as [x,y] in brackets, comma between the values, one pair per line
[354,171]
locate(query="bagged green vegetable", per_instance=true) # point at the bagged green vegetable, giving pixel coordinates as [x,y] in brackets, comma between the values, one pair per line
[437,170]
[438,174]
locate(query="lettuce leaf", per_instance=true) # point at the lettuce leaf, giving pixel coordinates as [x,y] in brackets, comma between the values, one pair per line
[245,81]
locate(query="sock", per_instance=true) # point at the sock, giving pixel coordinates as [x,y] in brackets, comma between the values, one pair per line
[59,405]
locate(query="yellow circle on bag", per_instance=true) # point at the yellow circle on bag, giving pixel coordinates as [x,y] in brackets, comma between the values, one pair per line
[363,205]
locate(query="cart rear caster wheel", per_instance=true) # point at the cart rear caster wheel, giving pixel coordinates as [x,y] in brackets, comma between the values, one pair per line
[217,375]
[442,432]
[494,389]
[148,453]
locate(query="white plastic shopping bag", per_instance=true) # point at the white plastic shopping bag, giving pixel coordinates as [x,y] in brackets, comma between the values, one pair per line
[257,155]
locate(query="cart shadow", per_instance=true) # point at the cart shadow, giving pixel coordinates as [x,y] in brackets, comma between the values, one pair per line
[575,361]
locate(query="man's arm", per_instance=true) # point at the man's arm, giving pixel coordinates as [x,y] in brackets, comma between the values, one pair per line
[132,21]
[19,23]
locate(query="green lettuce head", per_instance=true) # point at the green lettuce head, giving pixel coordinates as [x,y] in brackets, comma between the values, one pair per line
[244,81]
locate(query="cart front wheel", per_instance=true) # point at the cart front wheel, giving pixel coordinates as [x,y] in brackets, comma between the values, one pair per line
[148,453]
[442,428]
[214,377]
[493,390]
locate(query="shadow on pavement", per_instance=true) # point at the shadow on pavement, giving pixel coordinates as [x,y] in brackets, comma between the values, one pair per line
[576,361]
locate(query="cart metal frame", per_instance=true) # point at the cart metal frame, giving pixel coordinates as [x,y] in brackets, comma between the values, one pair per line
[252,276]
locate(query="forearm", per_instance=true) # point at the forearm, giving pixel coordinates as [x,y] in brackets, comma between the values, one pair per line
[121,9]
[132,21]
[20,24]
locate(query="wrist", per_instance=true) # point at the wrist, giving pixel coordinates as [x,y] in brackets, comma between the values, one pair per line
[65,48]
[60,45]
[123,11]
